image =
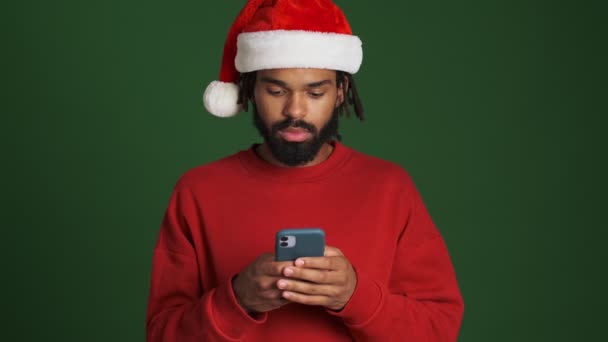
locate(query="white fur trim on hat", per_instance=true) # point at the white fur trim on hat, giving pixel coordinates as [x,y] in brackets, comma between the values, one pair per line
[220,99]
[298,49]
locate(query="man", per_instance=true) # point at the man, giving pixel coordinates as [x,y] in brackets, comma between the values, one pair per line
[386,274]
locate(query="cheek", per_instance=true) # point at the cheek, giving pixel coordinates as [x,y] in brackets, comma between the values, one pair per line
[322,109]
[267,106]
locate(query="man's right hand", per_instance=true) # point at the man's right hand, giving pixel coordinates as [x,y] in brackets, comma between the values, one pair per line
[255,287]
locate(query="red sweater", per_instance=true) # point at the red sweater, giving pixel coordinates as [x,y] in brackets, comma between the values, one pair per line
[223,215]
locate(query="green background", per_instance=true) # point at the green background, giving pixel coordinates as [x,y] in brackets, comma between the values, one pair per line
[496,108]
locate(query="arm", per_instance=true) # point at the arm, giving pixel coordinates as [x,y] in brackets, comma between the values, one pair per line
[180,307]
[425,305]
[422,301]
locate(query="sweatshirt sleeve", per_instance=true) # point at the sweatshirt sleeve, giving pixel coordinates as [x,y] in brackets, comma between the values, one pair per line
[180,306]
[422,301]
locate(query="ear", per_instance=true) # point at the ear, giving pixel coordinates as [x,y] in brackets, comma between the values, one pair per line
[342,90]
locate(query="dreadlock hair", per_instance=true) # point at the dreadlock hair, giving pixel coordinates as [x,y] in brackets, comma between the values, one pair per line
[246,84]
[351,95]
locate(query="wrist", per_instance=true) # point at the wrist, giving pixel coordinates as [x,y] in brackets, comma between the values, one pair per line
[237,294]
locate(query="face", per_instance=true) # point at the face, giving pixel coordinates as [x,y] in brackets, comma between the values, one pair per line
[295,111]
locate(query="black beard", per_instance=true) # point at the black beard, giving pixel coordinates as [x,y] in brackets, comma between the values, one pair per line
[296,153]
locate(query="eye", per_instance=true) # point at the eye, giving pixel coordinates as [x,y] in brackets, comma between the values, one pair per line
[316,95]
[275,92]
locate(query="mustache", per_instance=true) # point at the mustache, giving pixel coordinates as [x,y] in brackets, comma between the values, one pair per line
[295,124]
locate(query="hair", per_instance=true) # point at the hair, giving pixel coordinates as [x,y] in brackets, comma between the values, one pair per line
[246,83]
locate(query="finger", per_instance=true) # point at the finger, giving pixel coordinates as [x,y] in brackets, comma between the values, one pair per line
[273,268]
[280,302]
[317,276]
[308,288]
[266,257]
[275,303]
[300,298]
[274,296]
[332,263]
[333,251]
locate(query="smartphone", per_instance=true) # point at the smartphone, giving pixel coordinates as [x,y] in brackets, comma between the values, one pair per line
[291,244]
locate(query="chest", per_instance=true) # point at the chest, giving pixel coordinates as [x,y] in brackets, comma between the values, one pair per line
[364,222]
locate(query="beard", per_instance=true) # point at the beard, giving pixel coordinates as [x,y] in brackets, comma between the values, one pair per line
[296,153]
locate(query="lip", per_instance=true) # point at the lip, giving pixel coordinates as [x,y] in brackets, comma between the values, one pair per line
[293,134]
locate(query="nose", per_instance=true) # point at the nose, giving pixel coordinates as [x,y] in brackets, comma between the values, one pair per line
[295,107]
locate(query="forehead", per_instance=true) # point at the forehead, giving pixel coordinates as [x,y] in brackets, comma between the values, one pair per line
[297,76]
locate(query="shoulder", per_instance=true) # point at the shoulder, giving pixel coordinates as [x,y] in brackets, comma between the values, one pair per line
[212,173]
[378,168]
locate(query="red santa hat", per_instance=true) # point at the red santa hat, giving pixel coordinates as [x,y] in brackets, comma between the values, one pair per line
[272,34]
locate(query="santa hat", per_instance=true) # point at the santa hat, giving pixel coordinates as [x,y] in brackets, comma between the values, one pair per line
[272,34]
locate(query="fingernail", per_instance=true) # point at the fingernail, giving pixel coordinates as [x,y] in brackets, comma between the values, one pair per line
[286,294]
[299,262]
[282,284]
[288,271]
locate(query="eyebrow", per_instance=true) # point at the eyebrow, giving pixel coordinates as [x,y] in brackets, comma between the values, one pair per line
[284,85]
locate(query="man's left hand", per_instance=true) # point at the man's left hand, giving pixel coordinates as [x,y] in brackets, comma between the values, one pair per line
[327,281]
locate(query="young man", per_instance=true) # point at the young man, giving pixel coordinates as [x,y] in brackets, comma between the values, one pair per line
[386,274]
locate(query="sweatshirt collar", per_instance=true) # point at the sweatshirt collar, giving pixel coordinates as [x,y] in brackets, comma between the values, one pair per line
[259,167]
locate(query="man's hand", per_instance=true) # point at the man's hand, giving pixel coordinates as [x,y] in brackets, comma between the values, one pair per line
[256,287]
[327,281]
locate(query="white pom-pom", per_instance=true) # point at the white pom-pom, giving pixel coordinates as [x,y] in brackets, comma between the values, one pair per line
[220,99]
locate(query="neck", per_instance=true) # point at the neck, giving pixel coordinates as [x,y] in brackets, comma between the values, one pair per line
[264,152]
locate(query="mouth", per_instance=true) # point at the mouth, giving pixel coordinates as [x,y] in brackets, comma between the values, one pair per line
[295,134]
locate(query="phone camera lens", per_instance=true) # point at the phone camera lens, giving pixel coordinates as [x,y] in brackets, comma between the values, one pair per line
[283,238]
[284,244]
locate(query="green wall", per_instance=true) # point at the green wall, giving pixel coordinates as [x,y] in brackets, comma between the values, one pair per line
[496,108]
